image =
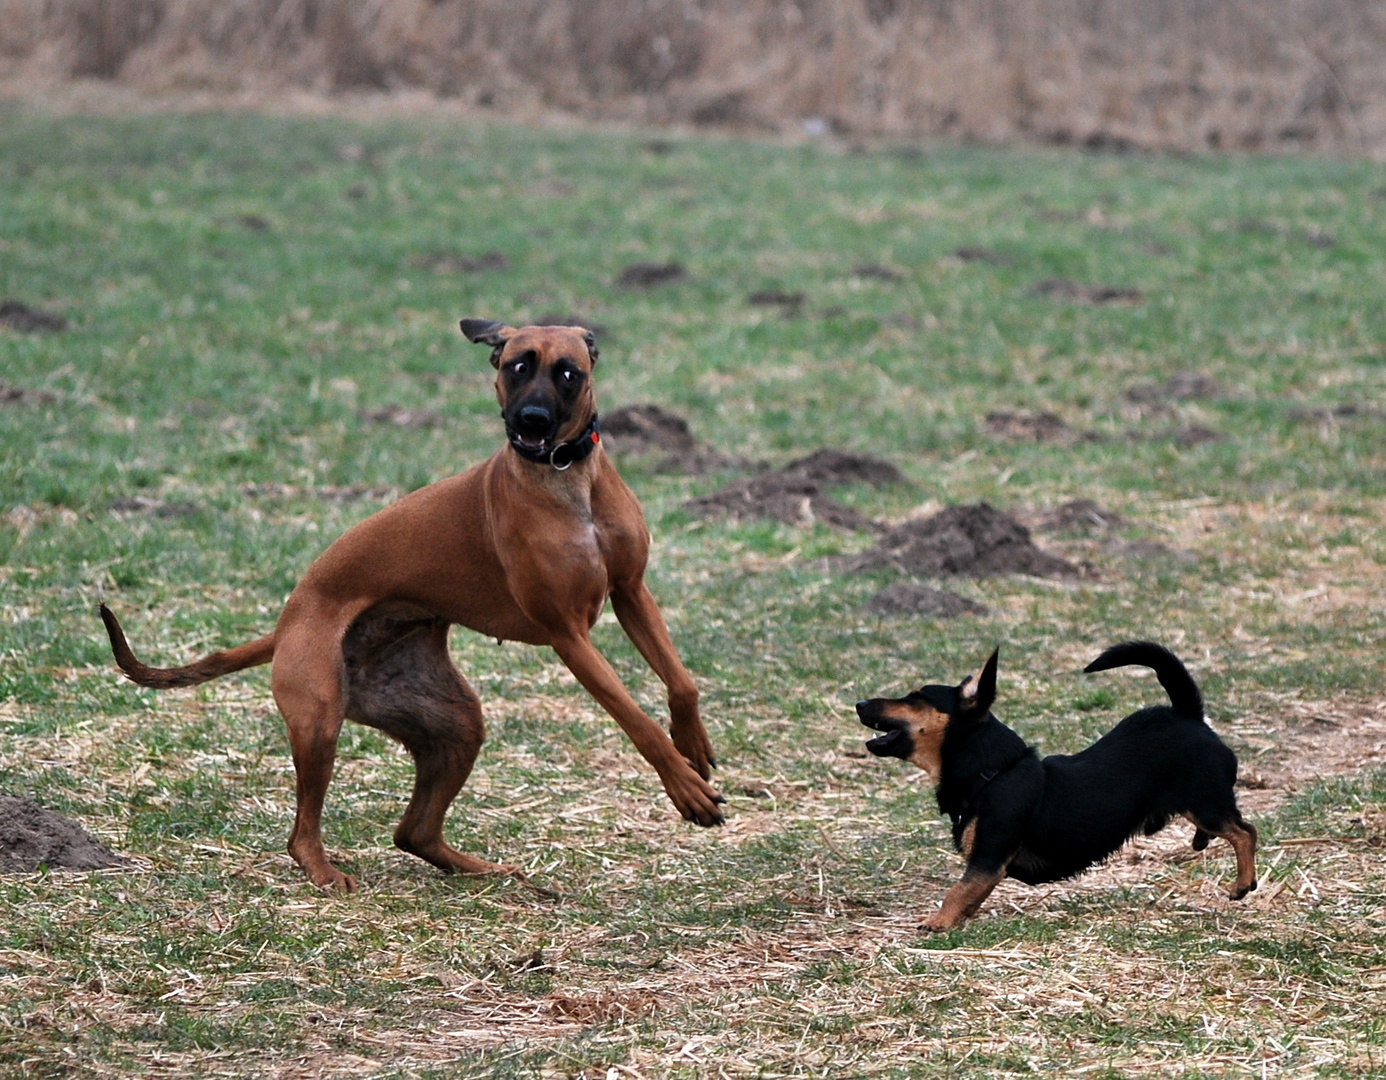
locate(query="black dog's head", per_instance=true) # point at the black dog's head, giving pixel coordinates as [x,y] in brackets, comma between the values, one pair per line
[543,381]
[914,725]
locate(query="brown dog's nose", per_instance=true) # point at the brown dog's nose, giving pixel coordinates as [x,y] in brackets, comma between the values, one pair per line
[534,420]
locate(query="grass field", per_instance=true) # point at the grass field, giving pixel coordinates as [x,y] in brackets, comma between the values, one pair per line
[244,293]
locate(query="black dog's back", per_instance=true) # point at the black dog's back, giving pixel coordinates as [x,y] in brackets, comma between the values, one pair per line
[1158,763]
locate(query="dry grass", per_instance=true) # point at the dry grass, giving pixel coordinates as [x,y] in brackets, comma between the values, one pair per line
[1175,74]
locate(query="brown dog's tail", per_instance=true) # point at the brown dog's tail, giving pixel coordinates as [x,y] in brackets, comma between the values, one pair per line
[1183,692]
[259,651]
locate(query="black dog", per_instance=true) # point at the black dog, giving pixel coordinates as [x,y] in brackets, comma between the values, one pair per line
[1041,821]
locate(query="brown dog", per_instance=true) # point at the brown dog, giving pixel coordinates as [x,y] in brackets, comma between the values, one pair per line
[527,546]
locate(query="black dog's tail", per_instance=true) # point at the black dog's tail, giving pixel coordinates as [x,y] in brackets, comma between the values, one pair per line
[1183,692]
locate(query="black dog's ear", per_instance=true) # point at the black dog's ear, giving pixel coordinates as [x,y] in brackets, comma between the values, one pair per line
[978,692]
[487,332]
[591,340]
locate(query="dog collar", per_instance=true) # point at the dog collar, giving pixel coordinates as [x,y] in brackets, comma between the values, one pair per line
[563,455]
[982,781]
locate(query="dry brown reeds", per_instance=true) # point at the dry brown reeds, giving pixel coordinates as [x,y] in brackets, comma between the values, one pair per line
[1173,74]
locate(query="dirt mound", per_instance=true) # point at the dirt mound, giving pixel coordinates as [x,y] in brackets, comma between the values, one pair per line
[327,493]
[1184,386]
[877,272]
[31,836]
[646,275]
[644,430]
[29,320]
[971,541]
[909,598]
[21,395]
[442,262]
[982,255]
[143,504]
[400,416]
[1072,291]
[829,466]
[1081,516]
[783,496]
[790,304]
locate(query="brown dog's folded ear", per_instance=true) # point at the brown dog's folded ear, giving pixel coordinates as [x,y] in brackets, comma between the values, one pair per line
[978,692]
[487,332]
[591,340]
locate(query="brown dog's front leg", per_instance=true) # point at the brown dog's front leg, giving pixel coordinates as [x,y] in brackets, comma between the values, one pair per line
[694,798]
[644,624]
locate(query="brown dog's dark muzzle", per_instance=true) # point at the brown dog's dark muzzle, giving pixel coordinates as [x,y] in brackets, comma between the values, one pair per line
[897,740]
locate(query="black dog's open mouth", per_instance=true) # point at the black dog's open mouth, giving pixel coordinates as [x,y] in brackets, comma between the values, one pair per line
[896,740]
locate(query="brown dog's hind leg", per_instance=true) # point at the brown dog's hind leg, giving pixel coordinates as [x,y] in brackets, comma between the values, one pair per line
[401,680]
[306,682]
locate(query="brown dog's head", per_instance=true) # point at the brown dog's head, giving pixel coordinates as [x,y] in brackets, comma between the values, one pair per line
[543,381]
[914,725]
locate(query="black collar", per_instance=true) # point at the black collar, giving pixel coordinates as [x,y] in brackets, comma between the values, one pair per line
[980,782]
[564,454]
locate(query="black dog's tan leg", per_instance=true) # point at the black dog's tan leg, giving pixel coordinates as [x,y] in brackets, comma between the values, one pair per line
[963,899]
[1241,835]
[401,680]
[644,624]
[306,682]
[691,795]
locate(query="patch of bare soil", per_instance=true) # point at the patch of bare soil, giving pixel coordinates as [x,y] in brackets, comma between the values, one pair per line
[829,466]
[1035,427]
[1076,293]
[1292,744]
[21,395]
[968,541]
[27,320]
[1303,414]
[789,303]
[451,263]
[1083,517]
[31,836]
[982,255]
[151,507]
[911,598]
[567,318]
[1080,516]
[399,416]
[1314,237]
[783,496]
[644,275]
[645,430]
[877,272]
[1183,386]
[794,494]
[327,492]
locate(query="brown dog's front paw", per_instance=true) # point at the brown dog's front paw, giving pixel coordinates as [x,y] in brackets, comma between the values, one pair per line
[695,798]
[696,749]
[335,881]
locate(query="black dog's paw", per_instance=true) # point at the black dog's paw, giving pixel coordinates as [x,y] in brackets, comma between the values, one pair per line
[1240,893]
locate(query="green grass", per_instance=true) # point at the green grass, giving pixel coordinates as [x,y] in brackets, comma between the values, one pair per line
[239,288]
